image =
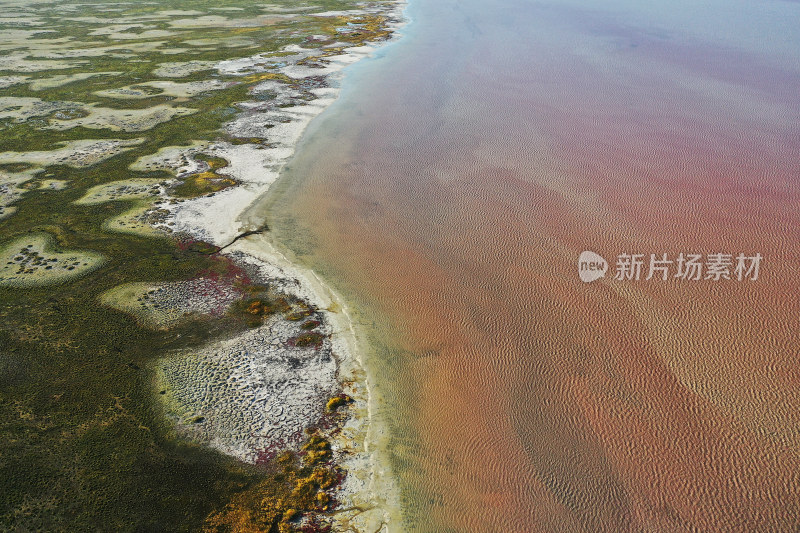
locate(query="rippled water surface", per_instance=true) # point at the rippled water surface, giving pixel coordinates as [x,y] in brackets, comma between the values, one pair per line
[448,194]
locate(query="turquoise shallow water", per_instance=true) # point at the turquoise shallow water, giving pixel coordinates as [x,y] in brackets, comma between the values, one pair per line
[448,193]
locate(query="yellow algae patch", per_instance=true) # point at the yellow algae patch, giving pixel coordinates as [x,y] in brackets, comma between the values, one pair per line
[202,184]
[120,190]
[121,119]
[33,261]
[355,29]
[277,76]
[77,154]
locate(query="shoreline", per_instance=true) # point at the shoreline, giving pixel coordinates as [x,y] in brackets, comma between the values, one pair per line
[369,497]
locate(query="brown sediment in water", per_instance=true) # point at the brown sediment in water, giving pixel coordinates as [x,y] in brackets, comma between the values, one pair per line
[537,402]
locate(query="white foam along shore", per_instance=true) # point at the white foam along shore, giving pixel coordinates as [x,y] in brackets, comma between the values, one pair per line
[369,499]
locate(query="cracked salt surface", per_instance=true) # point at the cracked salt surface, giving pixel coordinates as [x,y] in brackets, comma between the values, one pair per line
[253,392]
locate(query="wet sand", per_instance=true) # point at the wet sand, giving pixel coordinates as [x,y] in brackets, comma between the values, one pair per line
[447,195]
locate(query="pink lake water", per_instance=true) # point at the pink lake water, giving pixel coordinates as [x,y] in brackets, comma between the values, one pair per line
[448,193]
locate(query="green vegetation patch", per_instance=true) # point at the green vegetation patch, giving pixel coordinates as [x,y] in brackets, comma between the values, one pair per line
[201,184]
[85,106]
[337,401]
